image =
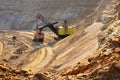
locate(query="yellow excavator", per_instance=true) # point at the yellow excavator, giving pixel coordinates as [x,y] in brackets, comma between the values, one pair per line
[61,31]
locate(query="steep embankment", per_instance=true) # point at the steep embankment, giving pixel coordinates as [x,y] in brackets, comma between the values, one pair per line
[105,64]
[73,49]
[83,43]
[76,57]
[21,14]
[67,51]
[28,55]
[8,73]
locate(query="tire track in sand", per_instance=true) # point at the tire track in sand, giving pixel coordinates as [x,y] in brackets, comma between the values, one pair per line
[44,56]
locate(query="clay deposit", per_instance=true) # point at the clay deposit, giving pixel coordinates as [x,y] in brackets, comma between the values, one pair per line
[92,53]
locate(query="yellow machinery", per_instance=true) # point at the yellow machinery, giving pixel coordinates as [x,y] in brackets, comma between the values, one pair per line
[61,31]
[66,31]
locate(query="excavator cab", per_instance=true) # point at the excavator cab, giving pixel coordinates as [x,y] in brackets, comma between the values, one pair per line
[38,35]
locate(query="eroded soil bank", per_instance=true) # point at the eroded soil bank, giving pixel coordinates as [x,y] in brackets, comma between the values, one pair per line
[91,53]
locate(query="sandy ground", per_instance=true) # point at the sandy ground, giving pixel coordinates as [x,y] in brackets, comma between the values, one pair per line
[1,47]
[24,52]
[69,53]
[62,57]
[29,55]
[37,57]
[58,57]
[44,56]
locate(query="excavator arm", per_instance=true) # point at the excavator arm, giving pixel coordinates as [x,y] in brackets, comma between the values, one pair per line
[51,26]
[47,24]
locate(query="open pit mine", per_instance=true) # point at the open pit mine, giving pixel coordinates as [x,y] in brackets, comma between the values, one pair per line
[59,39]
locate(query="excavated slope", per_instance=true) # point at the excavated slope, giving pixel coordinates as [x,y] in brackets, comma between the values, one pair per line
[27,54]
[73,46]
[21,14]
[8,73]
[62,58]
[106,64]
